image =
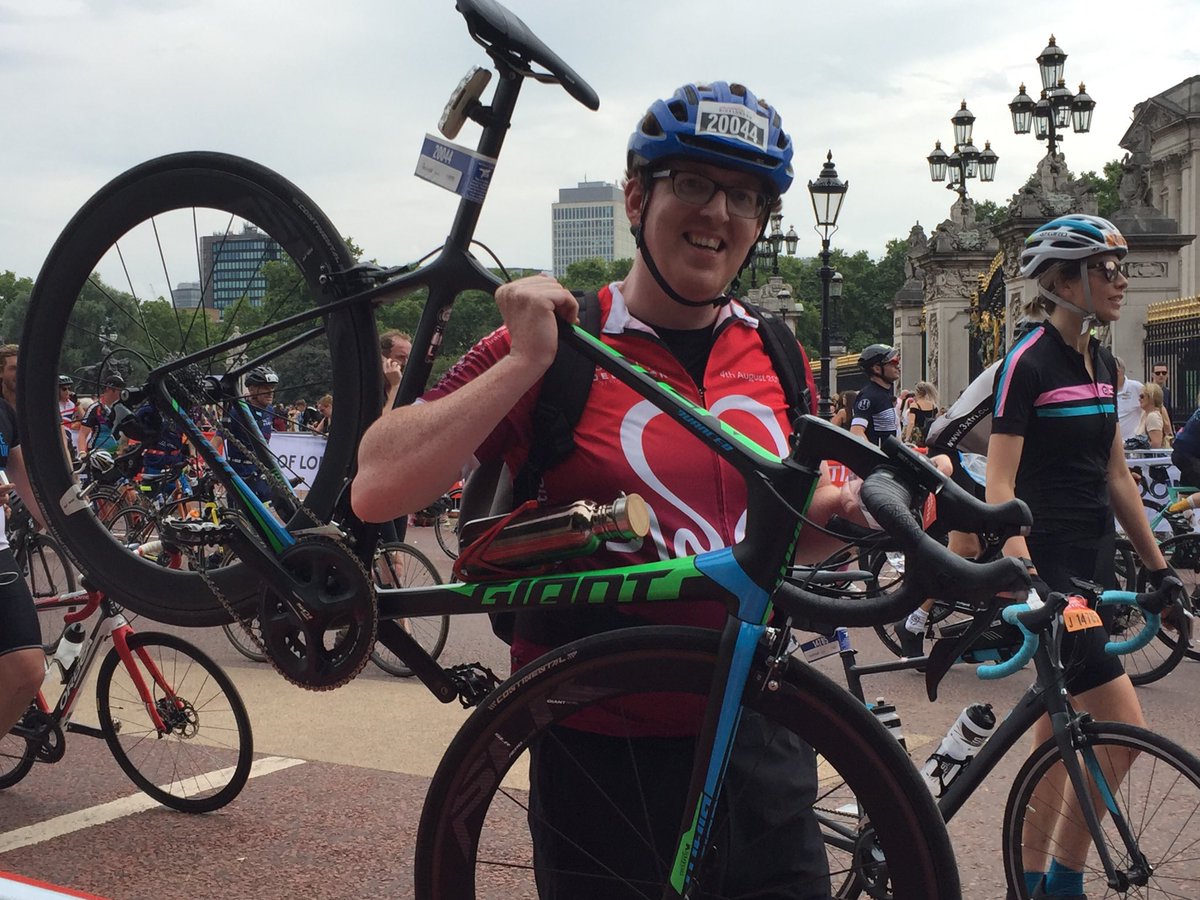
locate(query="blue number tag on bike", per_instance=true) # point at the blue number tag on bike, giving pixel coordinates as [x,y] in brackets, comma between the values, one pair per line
[457,169]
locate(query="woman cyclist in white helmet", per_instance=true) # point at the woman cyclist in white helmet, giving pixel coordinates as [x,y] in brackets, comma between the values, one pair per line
[1055,444]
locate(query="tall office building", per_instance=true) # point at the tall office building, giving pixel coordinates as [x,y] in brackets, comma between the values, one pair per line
[232,266]
[186,295]
[589,220]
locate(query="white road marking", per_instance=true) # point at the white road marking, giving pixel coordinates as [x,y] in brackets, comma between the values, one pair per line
[116,809]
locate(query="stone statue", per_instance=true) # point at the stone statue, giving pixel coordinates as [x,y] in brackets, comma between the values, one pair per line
[1134,186]
[931,343]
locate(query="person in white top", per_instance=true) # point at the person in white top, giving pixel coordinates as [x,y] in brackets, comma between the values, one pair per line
[1129,412]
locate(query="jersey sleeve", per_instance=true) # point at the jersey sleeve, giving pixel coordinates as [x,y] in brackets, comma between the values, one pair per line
[509,440]
[862,414]
[1017,387]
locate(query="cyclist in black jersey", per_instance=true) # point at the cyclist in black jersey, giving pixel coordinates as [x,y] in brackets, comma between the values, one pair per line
[874,413]
[1055,444]
[22,663]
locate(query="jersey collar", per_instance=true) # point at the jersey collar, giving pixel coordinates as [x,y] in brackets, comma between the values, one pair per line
[621,319]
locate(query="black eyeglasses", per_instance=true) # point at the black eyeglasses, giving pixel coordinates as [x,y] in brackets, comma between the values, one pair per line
[697,190]
[1161,372]
[1110,269]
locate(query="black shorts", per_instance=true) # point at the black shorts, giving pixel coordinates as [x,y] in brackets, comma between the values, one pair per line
[19,629]
[585,789]
[1087,665]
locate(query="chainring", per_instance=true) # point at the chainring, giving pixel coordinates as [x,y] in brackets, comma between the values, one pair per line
[324,640]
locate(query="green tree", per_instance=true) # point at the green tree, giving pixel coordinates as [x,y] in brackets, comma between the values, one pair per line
[1108,200]
[586,274]
[990,213]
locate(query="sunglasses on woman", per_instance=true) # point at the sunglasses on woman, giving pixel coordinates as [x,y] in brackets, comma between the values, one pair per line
[1110,269]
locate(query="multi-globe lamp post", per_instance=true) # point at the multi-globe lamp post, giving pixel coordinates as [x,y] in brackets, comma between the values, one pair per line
[967,160]
[1057,108]
[827,192]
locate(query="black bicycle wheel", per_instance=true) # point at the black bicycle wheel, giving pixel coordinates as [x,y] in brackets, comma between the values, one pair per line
[1125,566]
[242,642]
[46,567]
[445,530]
[253,249]
[1157,799]
[203,760]
[16,759]
[473,839]
[135,526]
[1156,659]
[404,566]
[1182,554]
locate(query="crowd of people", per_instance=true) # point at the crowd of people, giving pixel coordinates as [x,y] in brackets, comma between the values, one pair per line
[698,198]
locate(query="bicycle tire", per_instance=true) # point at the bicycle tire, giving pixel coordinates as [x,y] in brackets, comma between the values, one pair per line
[416,570]
[1148,664]
[1163,821]
[46,567]
[175,200]
[451,861]
[132,526]
[203,773]
[1182,554]
[16,759]
[241,641]
[445,532]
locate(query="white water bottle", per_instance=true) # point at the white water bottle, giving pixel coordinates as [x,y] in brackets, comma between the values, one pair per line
[973,726]
[69,646]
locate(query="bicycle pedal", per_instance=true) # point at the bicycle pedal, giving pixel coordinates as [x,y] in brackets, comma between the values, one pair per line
[193,533]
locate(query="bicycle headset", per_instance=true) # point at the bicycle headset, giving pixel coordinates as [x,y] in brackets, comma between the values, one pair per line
[675,129]
[1074,237]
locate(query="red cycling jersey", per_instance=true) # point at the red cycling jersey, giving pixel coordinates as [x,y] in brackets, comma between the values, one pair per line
[697,501]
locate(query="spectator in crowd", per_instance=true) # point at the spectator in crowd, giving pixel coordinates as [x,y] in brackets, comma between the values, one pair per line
[307,416]
[325,408]
[1129,409]
[1160,375]
[843,409]
[395,347]
[96,430]
[921,411]
[1152,422]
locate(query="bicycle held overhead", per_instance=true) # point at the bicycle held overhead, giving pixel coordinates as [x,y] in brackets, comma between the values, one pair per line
[306,578]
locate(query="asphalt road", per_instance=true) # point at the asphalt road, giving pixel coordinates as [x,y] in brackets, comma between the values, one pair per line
[335,812]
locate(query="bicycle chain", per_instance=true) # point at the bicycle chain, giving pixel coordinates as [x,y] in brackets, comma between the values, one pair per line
[332,533]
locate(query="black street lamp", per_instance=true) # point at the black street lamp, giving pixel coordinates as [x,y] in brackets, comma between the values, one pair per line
[1057,107]
[967,160]
[828,192]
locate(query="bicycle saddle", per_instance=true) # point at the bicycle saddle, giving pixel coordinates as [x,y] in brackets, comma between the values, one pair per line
[495,28]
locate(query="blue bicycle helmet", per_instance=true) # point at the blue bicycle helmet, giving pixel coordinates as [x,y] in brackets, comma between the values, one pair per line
[1067,238]
[719,123]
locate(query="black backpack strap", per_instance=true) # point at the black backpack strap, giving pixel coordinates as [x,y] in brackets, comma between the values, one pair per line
[786,359]
[564,394]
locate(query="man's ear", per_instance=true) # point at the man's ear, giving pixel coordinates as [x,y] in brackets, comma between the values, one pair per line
[635,194]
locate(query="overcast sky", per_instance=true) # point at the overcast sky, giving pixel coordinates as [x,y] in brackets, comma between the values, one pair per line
[337,96]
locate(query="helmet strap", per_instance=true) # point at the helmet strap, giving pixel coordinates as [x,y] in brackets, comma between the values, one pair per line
[1087,312]
[639,235]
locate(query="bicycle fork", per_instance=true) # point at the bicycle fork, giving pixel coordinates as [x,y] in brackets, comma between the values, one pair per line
[715,743]
[1072,743]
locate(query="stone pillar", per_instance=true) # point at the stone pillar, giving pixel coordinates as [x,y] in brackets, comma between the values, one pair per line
[959,254]
[908,326]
